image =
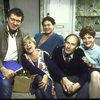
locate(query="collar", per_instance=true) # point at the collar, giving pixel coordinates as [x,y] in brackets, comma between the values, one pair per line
[64,56]
[12,34]
[89,48]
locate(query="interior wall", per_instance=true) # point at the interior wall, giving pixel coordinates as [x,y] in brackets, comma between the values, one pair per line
[62,12]
[97,40]
[31,12]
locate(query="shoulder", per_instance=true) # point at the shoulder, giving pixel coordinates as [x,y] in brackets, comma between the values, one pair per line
[58,36]
[79,51]
[96,46]
[2,27]
[23,32]
[38,34]
[58,49]
[24,56]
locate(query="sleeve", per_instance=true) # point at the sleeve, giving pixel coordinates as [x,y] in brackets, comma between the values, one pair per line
[60,40]
[37,37]
[52,67]
[98,62]
[1,64]
[54,55]
[83,77]
[28,66]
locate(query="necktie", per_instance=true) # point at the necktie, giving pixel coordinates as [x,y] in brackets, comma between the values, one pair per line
[68,59]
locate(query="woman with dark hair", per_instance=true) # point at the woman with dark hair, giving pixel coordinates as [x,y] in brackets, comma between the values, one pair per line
[92,53]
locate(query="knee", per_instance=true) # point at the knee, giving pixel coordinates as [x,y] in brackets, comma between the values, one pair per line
[38,78]
[94,76]
[57,85]
[35,83]
[6,83]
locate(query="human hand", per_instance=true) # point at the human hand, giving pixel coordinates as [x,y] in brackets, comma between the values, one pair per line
[88,63]
[67,84]
[7,72]
[75,87]
[85,60]
[44,83]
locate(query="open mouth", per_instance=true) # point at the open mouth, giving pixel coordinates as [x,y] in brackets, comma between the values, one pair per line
[29,48]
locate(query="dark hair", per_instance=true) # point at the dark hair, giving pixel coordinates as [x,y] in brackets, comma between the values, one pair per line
[87,30]
[16,11]
[49,19]
[78,39]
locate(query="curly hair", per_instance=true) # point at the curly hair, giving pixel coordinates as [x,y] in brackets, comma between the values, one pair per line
[48,18]
[87,30]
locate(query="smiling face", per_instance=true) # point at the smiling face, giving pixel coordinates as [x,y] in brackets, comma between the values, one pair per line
[29,46]
[14,22]
[48,27]
[88,41]
[71,44]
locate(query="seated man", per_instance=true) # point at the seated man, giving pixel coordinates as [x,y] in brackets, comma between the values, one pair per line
[69,60]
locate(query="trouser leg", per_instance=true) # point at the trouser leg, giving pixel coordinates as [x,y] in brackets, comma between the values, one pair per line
[43,94]
[83,92]
[6,88]
[59,90]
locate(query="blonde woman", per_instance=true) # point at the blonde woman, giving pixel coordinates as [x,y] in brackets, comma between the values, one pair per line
[38,62]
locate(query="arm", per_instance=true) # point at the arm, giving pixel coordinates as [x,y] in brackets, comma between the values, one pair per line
[83,71]
[88,63]
[28,66]
[52,67]
[7,72]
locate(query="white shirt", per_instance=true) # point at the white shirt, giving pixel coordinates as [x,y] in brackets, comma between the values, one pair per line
[12,49]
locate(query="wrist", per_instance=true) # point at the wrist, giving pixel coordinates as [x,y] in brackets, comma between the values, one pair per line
[78,85]
[2,69]
[92,65]
[64,79]
[45,75]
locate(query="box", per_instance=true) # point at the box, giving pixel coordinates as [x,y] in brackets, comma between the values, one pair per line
[22,84]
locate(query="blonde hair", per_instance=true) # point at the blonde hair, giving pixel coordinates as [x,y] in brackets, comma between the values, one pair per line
[29,38]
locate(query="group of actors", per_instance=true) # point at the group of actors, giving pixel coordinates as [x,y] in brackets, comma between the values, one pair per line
[70,65]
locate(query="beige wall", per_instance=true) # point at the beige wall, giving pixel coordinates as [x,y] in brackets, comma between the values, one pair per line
[97,40]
